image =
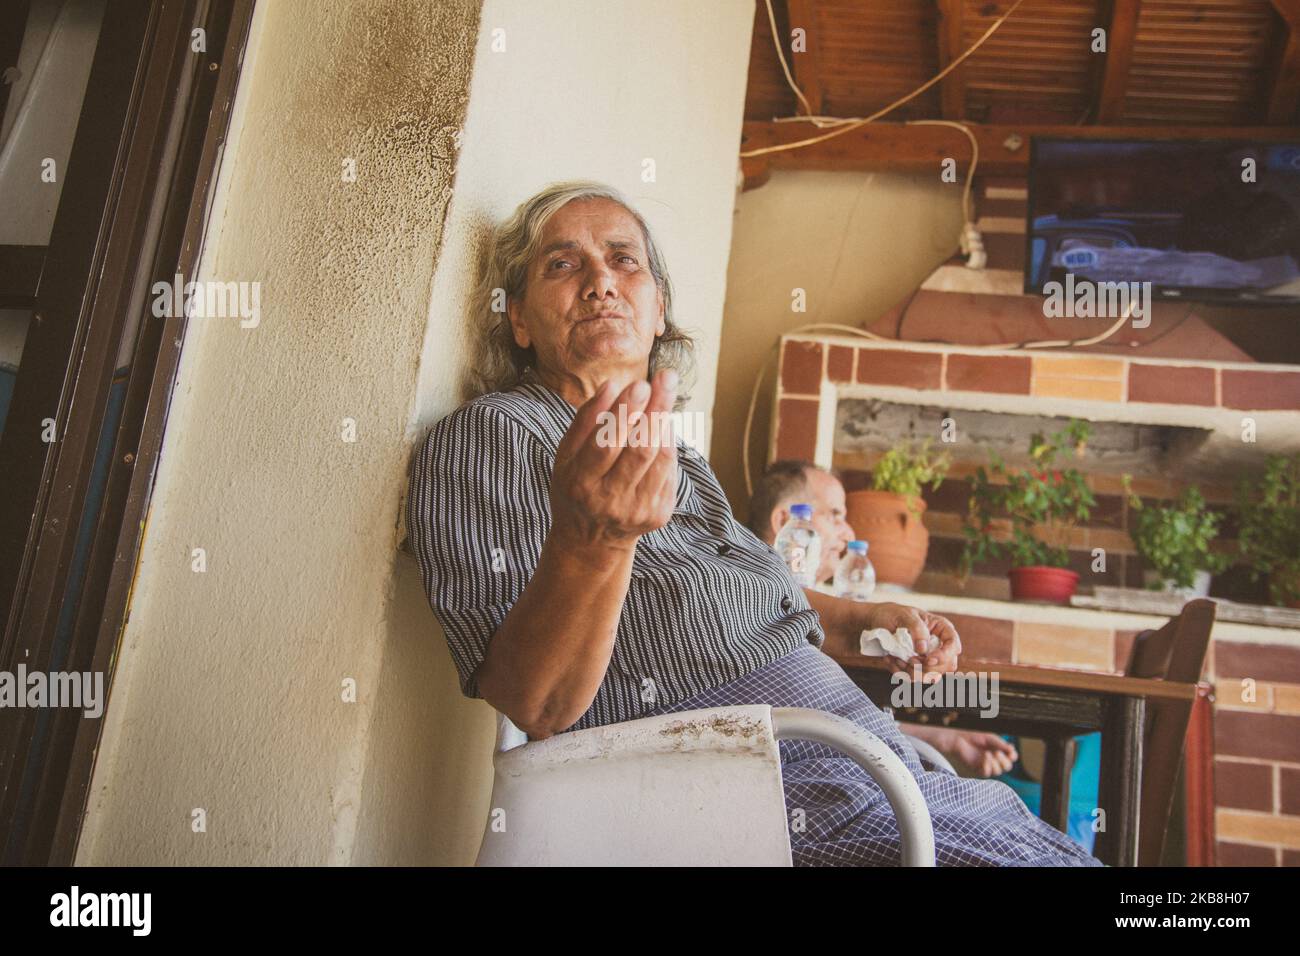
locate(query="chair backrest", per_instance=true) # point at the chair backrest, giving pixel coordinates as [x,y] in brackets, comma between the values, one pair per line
[1175,652]
[686,789]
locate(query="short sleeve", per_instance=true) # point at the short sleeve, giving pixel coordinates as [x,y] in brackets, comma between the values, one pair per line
[478,511]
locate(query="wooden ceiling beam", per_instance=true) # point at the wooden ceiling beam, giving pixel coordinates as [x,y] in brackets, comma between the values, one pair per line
[1284,96]
[1120,36]
[805,65]
[949,36]
[1004,149]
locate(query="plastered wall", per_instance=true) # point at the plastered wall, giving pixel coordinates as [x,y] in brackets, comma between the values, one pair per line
[229,687]
[572,89]
[855,243]
[228,690]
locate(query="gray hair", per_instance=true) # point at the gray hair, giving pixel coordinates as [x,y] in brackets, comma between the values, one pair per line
[501,362]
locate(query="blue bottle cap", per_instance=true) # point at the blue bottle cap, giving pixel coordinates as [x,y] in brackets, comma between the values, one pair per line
[858,547]
[801,511]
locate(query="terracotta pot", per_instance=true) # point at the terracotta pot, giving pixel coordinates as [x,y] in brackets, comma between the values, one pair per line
[1041,583]
[897,537]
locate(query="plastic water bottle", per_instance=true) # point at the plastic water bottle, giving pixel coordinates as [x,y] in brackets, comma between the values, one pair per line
[800,546]
[855,578]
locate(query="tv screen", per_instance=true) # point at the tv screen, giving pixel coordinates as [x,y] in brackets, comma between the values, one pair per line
[1199,220]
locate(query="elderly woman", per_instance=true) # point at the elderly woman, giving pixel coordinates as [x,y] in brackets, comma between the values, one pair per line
[584,581]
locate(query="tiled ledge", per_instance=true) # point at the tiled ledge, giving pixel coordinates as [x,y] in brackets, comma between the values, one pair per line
[1046,373]
[816,371]
[1086,619]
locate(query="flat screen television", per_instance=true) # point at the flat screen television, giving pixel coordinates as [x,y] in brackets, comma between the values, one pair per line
[1202,220]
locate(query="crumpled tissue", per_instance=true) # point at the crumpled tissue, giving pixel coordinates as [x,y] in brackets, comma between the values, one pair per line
[881,642]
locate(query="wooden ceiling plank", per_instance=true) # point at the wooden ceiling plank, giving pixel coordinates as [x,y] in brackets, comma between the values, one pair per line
[900,147]
[806,65]
[949,36]
[1120,35]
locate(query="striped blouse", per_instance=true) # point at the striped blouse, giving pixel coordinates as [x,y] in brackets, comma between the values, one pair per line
[708,602]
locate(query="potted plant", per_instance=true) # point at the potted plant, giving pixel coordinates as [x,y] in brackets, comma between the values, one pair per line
[888,515]
[1027,514]
[1270,527]
[1175,541]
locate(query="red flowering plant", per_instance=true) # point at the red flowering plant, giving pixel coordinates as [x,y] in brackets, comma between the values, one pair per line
[1027,514]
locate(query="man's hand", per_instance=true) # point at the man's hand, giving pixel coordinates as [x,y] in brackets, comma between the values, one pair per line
[984,754]
[929,663]
[988,755]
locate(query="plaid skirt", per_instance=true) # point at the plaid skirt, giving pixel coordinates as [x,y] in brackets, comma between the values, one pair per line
[847,819]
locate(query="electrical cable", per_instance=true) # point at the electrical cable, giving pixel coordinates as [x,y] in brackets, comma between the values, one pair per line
[841,125]
[846,126]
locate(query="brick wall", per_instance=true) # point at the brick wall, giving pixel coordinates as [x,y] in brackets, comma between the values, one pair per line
[1256,742]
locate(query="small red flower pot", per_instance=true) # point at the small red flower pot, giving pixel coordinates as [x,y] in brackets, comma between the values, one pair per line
[1039,583]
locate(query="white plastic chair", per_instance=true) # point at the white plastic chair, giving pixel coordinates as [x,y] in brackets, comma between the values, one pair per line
[696,788]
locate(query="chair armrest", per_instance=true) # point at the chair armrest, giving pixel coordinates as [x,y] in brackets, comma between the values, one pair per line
[873,756]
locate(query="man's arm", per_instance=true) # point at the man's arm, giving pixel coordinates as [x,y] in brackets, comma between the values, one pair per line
[988,755]
[844,621]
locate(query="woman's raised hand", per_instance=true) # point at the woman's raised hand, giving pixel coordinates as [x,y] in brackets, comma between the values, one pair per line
[616,471]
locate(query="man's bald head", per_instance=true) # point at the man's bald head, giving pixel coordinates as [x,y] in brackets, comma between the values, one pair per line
[790,482]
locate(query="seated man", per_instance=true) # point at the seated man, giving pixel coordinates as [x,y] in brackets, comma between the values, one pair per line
[789,482]
[584,580]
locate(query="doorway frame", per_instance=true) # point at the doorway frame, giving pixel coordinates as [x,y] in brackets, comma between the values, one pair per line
[133,211]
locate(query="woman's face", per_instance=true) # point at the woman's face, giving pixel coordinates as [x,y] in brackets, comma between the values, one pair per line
[590,308]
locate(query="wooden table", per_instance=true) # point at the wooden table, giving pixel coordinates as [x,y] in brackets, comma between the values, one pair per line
[1052,703]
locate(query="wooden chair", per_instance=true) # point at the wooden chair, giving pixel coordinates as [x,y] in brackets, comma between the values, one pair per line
[1175,652]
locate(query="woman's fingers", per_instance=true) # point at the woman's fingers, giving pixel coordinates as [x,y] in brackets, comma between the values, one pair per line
[603,445]
[586,421]
[649,436]
[659,483]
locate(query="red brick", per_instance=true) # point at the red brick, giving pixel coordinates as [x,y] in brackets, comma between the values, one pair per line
[1246,786]
[982,638]
[839,364]
[1008,208]
[1290,791]
[1005,250]
[952,496]
[1261,390]
[1290,857]
[1274,663]
[1170,384]
[796,432]
[1240,733]
[896,367]
[801,368]
[1008,374]
[1243,854]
